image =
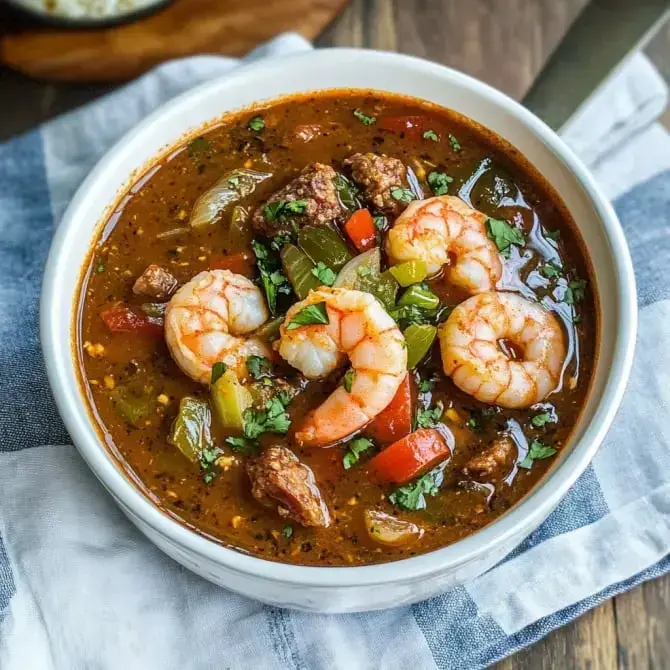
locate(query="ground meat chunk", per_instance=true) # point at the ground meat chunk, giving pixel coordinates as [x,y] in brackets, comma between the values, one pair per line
[281,481]
[378,175]
[315,185]
[155,282]
[494,463]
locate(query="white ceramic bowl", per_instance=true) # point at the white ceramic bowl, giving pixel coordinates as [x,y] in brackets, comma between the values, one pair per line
[343,589]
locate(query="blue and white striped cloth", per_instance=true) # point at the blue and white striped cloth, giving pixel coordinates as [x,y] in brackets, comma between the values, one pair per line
[80,587]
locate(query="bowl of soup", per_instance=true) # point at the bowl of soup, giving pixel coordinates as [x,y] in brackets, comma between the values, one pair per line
[339,330]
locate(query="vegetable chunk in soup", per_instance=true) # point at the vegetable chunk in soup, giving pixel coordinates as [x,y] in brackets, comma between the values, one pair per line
[340,329]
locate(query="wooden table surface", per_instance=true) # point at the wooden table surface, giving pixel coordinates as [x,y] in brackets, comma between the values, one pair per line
[505,43]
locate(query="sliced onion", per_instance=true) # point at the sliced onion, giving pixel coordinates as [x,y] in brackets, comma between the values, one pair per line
[232,187]
[349,276]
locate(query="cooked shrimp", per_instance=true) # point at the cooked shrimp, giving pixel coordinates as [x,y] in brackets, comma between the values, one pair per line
[445,231]
[206,319]
[470,342]
[359,329]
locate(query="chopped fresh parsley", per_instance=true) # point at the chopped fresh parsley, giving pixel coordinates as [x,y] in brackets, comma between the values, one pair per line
[554,235]
[504,235]
[402,194]
[429,418]
[426,385]
[242,444]
[198,145]
[307,316]
[256,124]
[550,270]
[363,118]
[407,315]
[209,477]
[412,496]
[324,274]
[381,222]
[258,366]
[272,419]
[279,240]
[472,423]
[287,531]
[455,144]
[208,457]
[536,451]
[542,419]
[348,379]
[217,371]
[356,448]
[282,210]
[431,135]
[575,291]
[100,267]
[273,279]
[439,182]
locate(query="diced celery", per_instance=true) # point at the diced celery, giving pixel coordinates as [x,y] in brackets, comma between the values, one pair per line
[298,269]
[410,272]
[419,339]
[230,398]
[325,245]
[190,431]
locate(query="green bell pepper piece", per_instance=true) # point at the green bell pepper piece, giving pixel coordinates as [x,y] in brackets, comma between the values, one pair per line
[419,339]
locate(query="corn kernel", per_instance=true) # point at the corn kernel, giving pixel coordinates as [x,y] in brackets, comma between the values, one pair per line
[353,500]
[181,214]
[248,163]
[236,521]
[109,382]
[163,399]
[275,534]
[226,462]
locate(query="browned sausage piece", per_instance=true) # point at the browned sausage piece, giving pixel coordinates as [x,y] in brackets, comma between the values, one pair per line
[280,480]
[155,282]
[378,174]
[494,463]
[315,187]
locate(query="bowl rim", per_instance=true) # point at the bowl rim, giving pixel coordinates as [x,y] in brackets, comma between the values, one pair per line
[528,513]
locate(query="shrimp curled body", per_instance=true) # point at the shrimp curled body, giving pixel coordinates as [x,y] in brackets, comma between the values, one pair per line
[472,356]
[444,231]
[206,320]
[359,329]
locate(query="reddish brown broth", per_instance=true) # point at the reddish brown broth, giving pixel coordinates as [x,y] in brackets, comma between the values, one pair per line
[487,172]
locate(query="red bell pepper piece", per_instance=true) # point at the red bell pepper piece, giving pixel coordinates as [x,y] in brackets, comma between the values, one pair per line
[395,421]
[361,230]
[410,457]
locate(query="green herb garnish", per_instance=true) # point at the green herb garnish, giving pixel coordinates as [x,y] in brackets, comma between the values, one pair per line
[426,385]
[536,451]
[258,366]
[198,145]
[242,444]
[281,210]
[287,531]
[210,476]
[455,144]
[348,380]
[279,240]
[324,274]
[504,235]
[256,124]
[550,270]
[100,268]
[272,419]
[402,194]
[363,118]
[575,291]
[412,496]
[310,315]
[273,279]
[431,135]
[429,418]
[439,182]
[554,235]
[217,371]
[381,222]
[355,449]
[542,419]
